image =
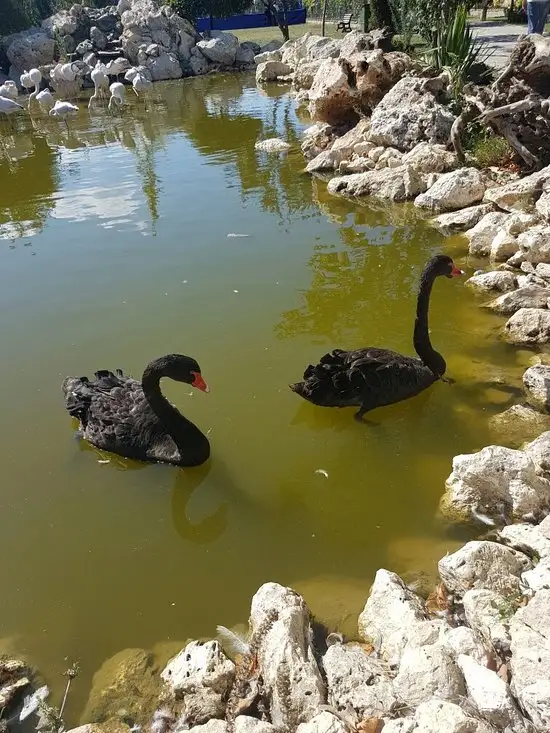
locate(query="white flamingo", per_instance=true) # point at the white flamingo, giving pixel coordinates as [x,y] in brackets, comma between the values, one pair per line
[45,100]
[100,80]
[35,76]
[63,110]
[118,94]
[9,90]
[117,66]
[141,83]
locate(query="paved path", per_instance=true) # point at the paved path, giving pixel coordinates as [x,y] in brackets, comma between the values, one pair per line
[500,38]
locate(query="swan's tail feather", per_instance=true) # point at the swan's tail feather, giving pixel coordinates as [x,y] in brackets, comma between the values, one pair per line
[232,643]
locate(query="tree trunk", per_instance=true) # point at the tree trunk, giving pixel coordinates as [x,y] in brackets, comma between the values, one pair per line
[324,17]
[484,9]
[381,14]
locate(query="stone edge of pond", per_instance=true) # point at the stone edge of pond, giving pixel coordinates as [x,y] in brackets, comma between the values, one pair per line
[472,657]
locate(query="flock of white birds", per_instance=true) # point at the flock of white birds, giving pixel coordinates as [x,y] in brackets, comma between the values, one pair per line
[100,75]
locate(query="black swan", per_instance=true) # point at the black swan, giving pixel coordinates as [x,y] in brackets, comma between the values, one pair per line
[134,419]
[372,377]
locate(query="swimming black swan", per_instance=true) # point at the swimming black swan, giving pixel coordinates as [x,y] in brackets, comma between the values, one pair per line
[133,418]
[371,377]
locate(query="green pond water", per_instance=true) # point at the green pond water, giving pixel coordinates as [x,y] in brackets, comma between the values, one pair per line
[114,249]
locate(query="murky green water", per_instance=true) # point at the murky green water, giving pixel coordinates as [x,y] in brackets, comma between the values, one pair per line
[114,250]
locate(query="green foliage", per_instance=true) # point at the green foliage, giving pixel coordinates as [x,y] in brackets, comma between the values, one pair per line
[381,14]
[487,148]
[193,9]
[457,50]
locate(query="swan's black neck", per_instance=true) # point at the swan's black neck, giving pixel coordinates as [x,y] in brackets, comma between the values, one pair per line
[422,344]
[192,444]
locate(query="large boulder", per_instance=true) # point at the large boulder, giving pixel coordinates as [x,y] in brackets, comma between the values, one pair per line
[408,114]
[431,158]
[357,681]
[392,184]
[528,326]
[530,296]
[530,660]
[536,381]
[29,49]
[286,660]
[453,190]
[390,616]
[425,672]
[271,71]
[460,221]
[521,194]
[203,676]
[221,48]
[483,564]
[495,483]
[331,99]
[535,244]
[491,695]
[503,281]
[164,66]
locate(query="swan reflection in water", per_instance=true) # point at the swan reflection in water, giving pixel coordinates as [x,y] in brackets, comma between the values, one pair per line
[217,486]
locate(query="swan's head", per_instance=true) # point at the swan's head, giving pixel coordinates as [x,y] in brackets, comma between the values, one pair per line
[443,265]
[182,369]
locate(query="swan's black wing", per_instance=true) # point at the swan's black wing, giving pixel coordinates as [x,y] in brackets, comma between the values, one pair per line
[115,416]
[367,378]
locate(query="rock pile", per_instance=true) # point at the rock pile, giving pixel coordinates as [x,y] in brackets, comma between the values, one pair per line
[474,657]
[139,32]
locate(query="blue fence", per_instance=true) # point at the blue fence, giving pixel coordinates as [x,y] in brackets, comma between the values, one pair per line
[250,20]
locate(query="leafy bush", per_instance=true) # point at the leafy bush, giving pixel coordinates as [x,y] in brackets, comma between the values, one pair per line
[457,50]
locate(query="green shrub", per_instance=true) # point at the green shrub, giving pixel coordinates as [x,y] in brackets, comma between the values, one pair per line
[487,148]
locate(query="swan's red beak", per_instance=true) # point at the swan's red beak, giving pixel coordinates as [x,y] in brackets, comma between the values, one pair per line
[456,272]
[199,382]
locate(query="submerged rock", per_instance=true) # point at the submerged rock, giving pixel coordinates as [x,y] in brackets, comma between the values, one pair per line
[273,145]
[518,424]
[131,676]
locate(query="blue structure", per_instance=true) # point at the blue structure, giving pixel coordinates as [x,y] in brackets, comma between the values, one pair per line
[250,20]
